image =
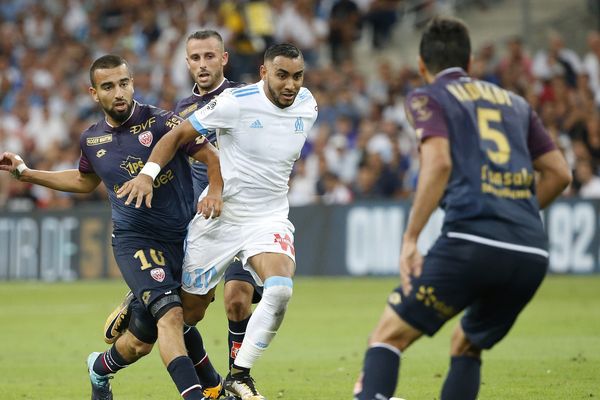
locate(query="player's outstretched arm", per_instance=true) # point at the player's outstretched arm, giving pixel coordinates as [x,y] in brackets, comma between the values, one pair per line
[210,206]
[70,180]
[554,176]
[140,187]
[434,172]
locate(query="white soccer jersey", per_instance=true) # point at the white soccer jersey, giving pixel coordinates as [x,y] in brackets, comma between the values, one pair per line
[258,145]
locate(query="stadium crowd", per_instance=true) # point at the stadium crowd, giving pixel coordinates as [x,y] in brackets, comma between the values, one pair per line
[362,146]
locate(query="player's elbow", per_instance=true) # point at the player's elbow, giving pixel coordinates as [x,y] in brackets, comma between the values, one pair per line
[564,177]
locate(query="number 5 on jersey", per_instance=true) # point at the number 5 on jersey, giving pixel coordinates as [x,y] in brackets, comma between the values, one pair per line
[502,153]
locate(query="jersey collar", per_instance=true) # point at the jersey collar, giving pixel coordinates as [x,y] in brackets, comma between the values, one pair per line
[451,73]
[196,89]
[134,110]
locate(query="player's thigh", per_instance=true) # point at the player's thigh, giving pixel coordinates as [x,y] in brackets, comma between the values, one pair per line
[493,314]
[269,250]
[210,247]
[444,288]
[240,283]
[151,268]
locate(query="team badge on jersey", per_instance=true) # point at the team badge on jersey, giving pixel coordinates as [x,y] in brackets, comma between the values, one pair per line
[299,125]
[158,274]
[145,138]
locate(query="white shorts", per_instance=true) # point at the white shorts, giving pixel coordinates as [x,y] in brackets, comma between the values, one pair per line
[212,244]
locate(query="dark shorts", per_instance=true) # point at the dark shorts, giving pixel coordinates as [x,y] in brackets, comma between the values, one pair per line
[235,272]
[151,269]
[491,283]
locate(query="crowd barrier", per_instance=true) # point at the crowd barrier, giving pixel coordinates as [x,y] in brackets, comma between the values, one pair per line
[359,239]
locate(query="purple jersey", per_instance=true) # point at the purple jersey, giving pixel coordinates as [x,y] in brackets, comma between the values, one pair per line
[494,136]
[185,108]
[117,154]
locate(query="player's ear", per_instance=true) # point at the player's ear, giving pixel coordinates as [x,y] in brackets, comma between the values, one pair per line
[94,94]
[225,58]
[263,72]
[422,67]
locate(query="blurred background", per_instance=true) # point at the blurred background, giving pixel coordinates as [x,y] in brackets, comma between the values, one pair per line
[361,153]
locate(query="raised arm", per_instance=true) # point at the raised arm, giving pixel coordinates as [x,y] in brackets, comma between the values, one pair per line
[70,180]
[210,206]
[140,187]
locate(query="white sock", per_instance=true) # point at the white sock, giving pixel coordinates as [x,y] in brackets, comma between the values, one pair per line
[265,320]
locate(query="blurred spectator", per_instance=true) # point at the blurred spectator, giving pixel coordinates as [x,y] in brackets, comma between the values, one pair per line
[589,183]
[344,28]
[334,190]
[557,60]
[299,24]
[362,139]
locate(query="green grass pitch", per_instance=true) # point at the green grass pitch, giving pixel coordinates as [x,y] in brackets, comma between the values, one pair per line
[553,352]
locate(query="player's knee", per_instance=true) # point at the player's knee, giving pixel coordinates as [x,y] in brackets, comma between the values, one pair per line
[238,301]
[460,345]
[191,316]
[237,308]
[278,291]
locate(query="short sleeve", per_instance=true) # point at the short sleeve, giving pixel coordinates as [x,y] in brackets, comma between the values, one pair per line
[425,115]
[539,141]
[85,166]
[221,112]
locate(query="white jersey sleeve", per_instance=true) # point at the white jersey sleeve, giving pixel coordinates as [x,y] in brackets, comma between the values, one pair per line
[220,113]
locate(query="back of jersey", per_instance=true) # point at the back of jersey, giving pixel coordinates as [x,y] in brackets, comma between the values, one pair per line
[491,190]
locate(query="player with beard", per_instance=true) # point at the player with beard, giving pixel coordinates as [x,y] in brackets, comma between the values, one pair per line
[149,252]
[261,131]
[206,58]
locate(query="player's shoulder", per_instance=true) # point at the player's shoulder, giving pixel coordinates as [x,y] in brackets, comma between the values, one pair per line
[304,94]
[186,106]
[148,109]
[243,91]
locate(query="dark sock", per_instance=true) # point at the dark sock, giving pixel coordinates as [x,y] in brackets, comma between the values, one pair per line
[182,372]
[109,362]
[207,374]
[462,381]
[380,373]
[237,331]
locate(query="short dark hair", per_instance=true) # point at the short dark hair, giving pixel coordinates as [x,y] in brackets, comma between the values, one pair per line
[205,34]
[286,50]
[105,62]
[445,44]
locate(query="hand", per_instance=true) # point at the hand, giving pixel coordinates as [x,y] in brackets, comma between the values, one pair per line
[411,264]
[210,206]
[12,163]
[138,188]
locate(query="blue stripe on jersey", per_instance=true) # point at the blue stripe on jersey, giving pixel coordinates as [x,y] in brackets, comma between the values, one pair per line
[196,124]
[245,89]
[246,94]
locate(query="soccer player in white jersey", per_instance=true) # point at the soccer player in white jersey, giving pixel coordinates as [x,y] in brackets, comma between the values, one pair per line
[261,130]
